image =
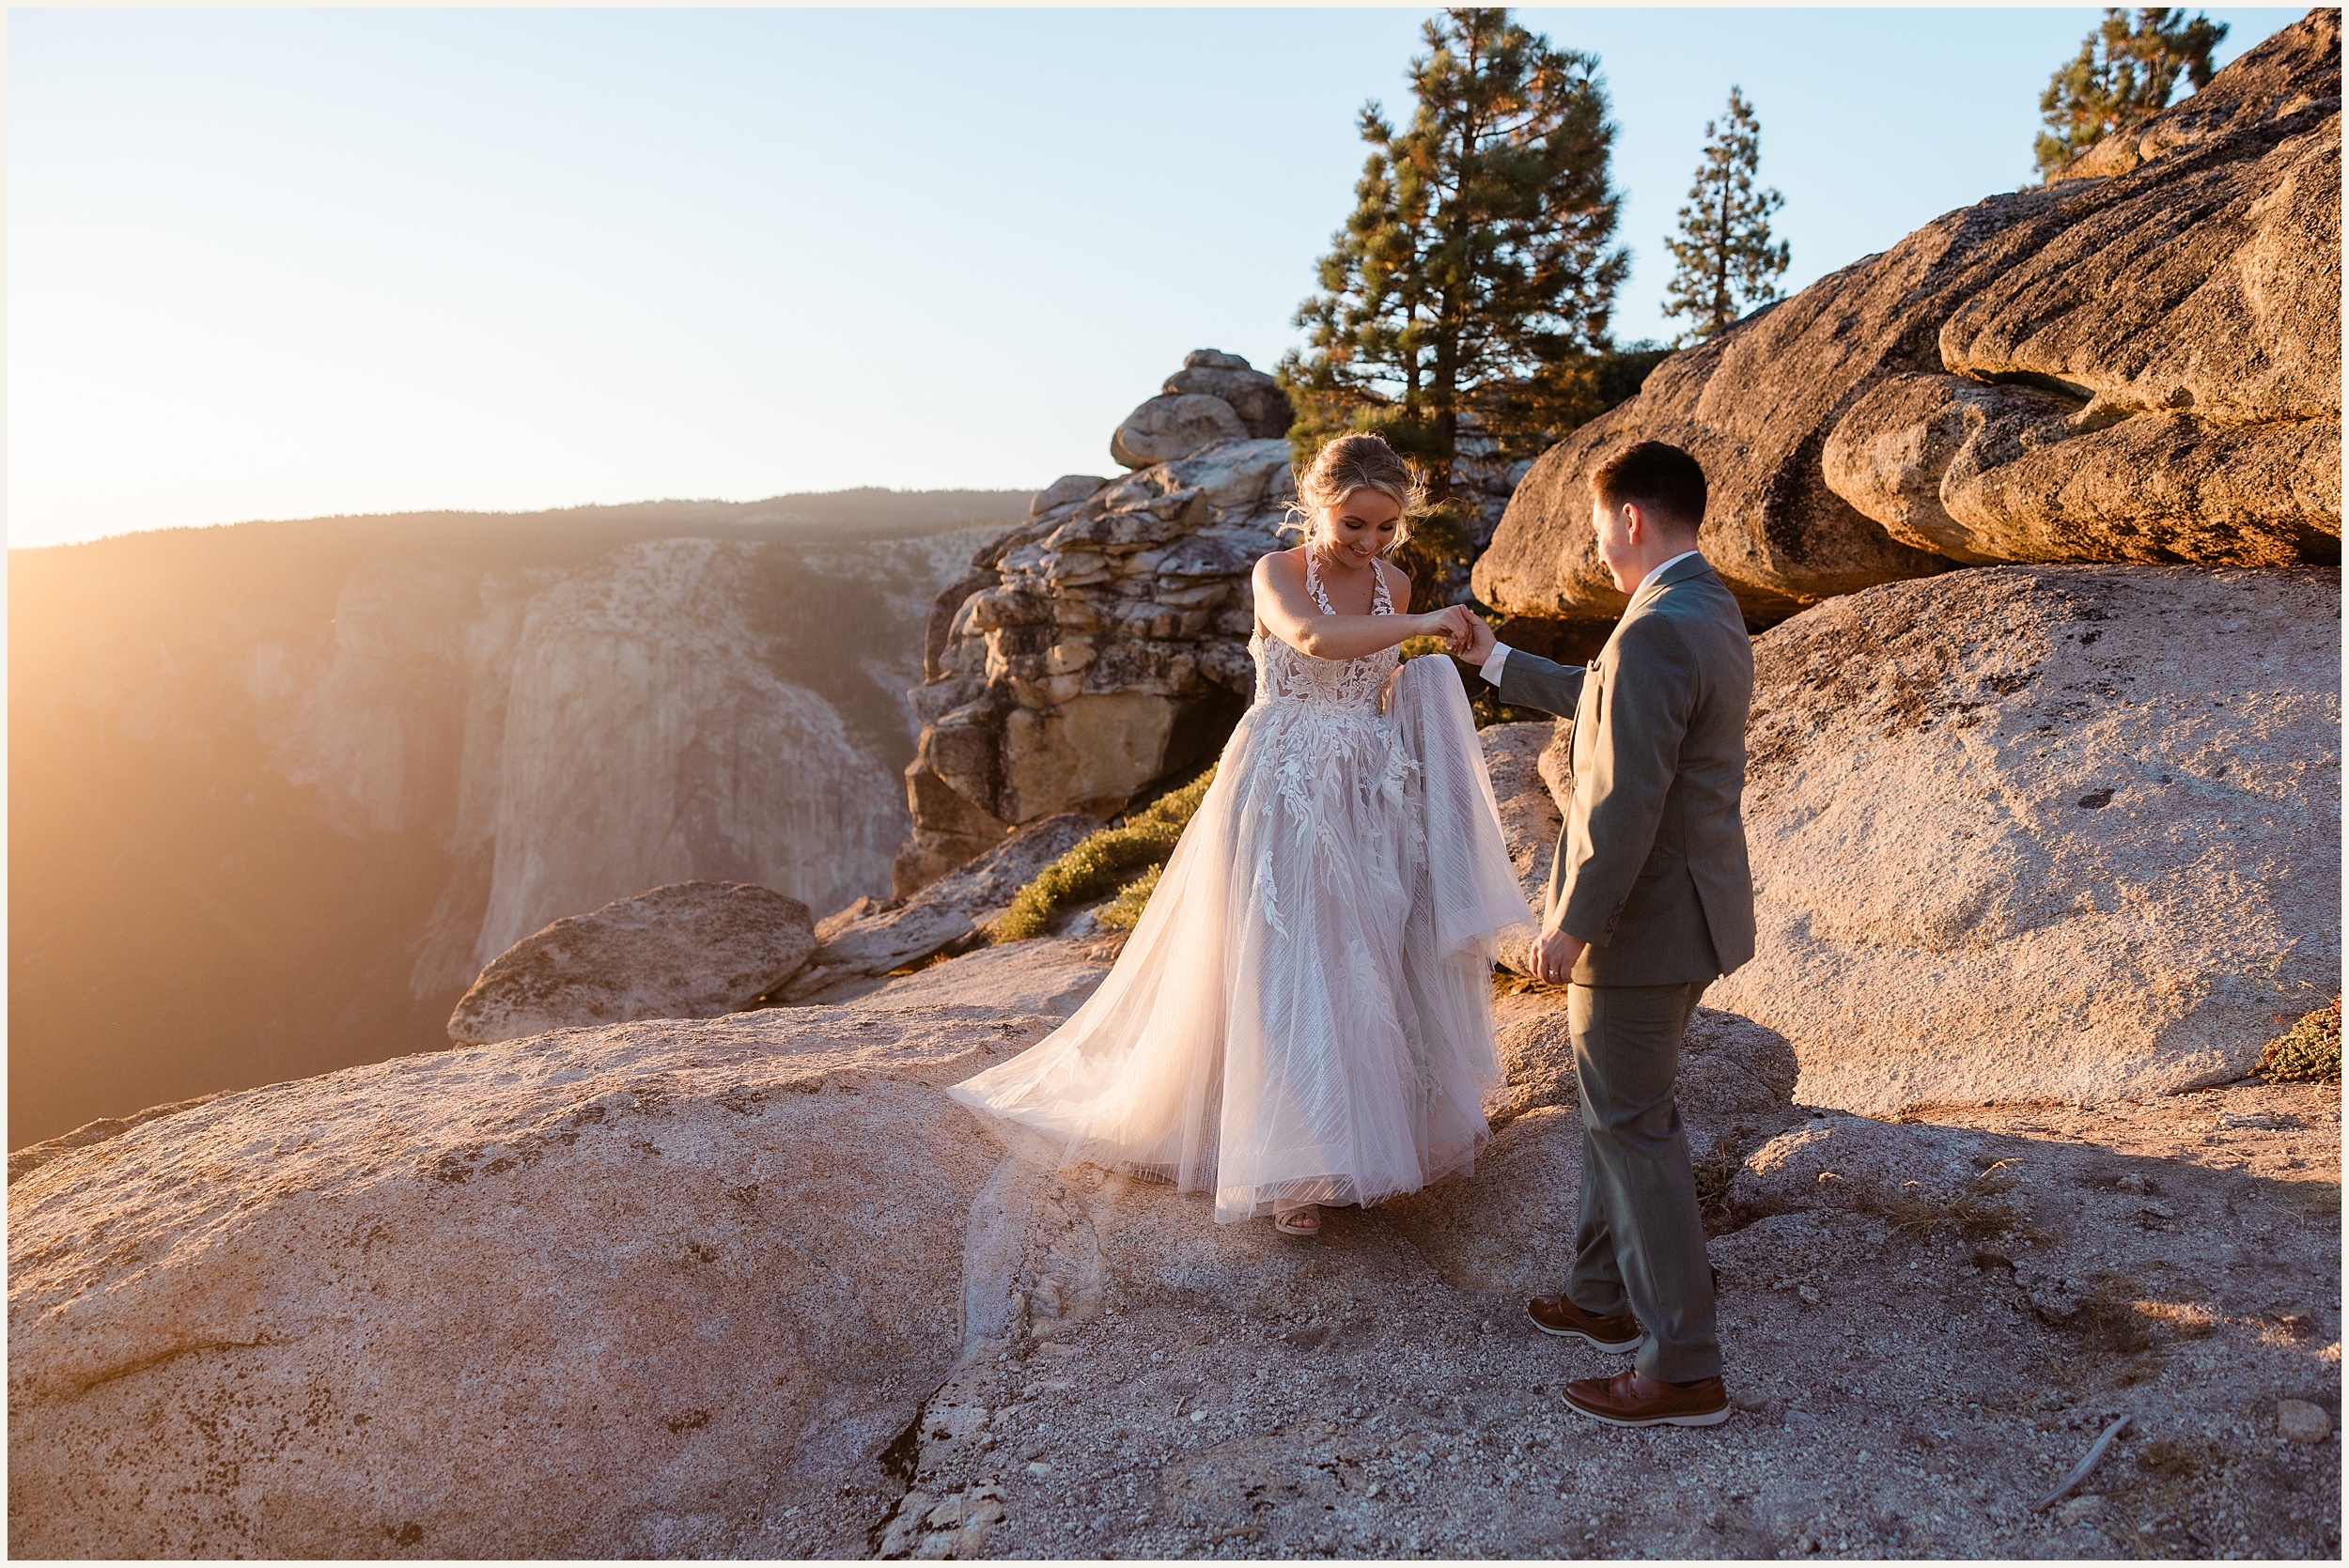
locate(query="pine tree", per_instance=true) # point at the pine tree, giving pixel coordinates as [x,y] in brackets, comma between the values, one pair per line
[1474,278]
[2121,76]
[1728,263]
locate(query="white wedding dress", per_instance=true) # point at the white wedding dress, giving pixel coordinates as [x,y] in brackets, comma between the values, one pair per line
[1303,1013]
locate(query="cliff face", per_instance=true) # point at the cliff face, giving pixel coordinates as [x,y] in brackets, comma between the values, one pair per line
[2138,362]
[304,781]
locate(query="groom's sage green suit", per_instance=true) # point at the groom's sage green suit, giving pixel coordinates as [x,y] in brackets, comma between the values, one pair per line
[1651,872]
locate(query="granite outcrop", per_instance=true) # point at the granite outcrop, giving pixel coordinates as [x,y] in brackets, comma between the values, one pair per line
[857,947]
[2043,832]
[1103,645]
[754,1287]
[2138,362]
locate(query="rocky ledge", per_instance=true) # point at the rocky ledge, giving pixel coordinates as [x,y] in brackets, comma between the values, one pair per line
[754,1286]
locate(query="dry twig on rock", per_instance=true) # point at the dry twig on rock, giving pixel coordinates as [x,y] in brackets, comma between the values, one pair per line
[2079,1471]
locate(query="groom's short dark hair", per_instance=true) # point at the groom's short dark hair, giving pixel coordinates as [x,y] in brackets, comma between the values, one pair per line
[1659,476]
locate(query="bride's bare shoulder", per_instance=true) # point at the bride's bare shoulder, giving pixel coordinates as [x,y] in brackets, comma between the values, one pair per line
[1283,564]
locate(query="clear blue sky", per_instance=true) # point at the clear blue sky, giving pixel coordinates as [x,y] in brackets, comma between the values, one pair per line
[282,263]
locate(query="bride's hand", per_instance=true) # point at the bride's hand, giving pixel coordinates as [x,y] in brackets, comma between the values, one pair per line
[1456,625]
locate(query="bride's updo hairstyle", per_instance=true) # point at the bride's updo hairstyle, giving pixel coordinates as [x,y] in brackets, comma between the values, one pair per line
[1350,463]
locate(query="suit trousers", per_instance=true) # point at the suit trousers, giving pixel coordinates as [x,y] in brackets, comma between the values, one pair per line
[1641,1245]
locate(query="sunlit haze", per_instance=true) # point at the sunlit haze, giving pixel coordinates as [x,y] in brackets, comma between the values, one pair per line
[286,263]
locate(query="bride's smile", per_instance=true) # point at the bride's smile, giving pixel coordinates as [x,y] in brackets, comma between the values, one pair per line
[1363,530]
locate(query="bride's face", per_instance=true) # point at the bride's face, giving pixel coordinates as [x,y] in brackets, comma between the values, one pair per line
[1360,526]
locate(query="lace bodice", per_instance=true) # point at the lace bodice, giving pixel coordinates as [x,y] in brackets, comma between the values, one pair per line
[1285,675]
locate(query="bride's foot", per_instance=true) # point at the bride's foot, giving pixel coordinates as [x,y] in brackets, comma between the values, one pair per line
[1303,1220]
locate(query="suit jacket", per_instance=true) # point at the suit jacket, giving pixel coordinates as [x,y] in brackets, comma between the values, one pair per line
[1651,867]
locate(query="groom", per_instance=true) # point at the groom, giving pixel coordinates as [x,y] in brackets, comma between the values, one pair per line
[1649,899]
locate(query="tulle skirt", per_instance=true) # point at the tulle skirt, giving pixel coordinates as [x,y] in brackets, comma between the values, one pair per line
[1303,1013]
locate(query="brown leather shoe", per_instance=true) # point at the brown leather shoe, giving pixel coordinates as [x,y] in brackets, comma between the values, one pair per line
[1557,1314]
[1628,1399]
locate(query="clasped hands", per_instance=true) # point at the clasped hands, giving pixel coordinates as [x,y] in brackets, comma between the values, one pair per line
[1465,634]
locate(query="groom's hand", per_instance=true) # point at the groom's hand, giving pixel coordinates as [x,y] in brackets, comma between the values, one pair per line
[1481,640]
[1555,954]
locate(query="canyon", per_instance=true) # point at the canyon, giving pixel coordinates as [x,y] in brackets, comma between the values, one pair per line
[279,790]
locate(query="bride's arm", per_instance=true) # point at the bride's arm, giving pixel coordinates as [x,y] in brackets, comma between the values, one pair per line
[1289,613]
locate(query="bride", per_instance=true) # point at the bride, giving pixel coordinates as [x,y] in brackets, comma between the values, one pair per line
[1302,1016]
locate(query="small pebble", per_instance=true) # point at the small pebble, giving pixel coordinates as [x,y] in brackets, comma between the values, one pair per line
[2301,1422]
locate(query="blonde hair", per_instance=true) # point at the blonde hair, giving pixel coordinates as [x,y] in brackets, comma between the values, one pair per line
[1357,462]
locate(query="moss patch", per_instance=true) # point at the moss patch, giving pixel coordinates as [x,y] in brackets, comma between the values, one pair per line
[2309,1052]
[1124,912]
[1103,862]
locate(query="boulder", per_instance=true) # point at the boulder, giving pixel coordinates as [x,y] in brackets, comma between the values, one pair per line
[1065,491]
[1731,1066]
[24,1161]
[1099,650]
[1851,1162]
[2266,84]
[1536,1052]
[1256,397]
[2138,367]
[859,944]
[2043,832]
[1732,1070]
[1044,976]
[1175,424]
[691,950]
[1529,812]
[665,1288]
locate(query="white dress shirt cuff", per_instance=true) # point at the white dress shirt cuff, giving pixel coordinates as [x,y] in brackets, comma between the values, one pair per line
[1490,669]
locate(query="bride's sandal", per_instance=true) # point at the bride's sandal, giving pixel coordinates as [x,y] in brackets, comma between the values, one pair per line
[1304,1221]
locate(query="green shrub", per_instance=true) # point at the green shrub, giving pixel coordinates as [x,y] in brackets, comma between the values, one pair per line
[1124,912]
[2310,1051]
[1102,862]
